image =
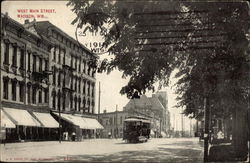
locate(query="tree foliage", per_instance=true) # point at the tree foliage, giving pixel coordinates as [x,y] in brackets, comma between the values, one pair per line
[206,42]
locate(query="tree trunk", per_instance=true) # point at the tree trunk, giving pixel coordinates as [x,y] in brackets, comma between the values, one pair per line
[239,133]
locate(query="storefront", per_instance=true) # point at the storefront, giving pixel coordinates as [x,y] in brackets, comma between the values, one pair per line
[26,126]
[83,128]
[49,129]
[22,125]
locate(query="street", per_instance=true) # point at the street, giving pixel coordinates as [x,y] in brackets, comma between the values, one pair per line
[106,150]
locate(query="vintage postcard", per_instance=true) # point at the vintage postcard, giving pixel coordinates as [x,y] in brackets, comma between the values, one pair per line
[125,81]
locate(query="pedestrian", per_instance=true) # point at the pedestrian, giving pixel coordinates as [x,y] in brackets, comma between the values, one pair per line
[109,134]
[73,136]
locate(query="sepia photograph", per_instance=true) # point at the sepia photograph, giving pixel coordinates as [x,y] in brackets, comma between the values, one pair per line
[125,81]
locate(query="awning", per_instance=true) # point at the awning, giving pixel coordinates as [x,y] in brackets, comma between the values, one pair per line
[47,120]
[21,117]
[5,121]
[83,123]
[93,123]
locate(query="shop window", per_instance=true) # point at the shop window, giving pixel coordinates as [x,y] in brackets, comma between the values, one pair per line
[6,53]
[13,90]
[5,88]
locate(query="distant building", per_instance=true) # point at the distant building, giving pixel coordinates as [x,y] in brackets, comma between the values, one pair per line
[112,123]
[155,108]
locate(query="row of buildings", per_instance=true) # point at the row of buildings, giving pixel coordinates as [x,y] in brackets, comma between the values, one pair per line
[153,108]
[45,74]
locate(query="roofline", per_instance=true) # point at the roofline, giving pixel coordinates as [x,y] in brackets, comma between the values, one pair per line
[71,38]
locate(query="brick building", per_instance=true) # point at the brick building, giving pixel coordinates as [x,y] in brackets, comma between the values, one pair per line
[45,72]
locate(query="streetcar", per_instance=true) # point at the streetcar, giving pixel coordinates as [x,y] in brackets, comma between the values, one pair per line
[136,129]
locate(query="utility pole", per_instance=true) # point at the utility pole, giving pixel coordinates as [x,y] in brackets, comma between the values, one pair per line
[99,98]
[182,129]
[116,124]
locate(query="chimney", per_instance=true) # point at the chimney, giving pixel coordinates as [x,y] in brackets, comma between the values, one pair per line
[26,21]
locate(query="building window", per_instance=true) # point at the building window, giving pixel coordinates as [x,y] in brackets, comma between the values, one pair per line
[93,90]
[79,85]
[40,96]
[84,67]
[71,101]
[54,75]
[84,87]
[76,64]
[29,94]
[88,85]
[21,91]
[76,84]
[59,55]
[89,69]
[13,90]
[22,60]
[54,54]
[110,120]
[79,104]
[59,101]
[84,104]
[6,53]
[34,63]
[59,79]
[46,96]
[40,65]
[5,88]
[54,100]
[120,119]
[34,95]
[79,69]
[14,57]
[29,61]
[46,65]
[75,103]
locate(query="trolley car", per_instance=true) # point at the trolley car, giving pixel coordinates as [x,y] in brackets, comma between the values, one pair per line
[136,129]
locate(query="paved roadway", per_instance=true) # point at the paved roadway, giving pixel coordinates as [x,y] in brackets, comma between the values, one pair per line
[167,150]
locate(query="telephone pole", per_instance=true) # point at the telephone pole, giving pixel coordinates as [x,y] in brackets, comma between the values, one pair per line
[99,98]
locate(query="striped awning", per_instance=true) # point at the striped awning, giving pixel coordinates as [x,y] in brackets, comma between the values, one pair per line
[82,122]
[21,117]
[47,120]
[5,121]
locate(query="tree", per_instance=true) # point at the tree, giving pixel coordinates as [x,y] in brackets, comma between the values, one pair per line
[207,42]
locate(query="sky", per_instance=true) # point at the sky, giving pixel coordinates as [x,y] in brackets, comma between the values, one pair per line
[61,16]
